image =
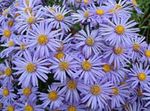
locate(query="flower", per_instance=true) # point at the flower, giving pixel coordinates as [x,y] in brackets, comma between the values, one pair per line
[59,18]
[96,95]
[146,97]
[43,41]
[120,31]
[53,99]
[90,42]
[63,67]
[31,68]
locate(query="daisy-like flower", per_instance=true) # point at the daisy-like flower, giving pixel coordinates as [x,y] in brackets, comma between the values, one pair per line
[120,94]
[27,93]
[146,55]
[43,39]
[116,55]
[70,89]
[31,68]
[136,48]
[53,99]
[59,18]
[90,42]
[27,21]
[119,30]
[82,16]
[120,9]
[7,94]
[62,67]
[89,69]
[9,107]
[139,75]
[96,95]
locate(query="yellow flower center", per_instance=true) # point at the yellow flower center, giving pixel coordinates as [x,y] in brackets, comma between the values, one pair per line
[10,23]
[90,41]
[59,55]
[64,65]
[11,43]
[42,39]
[28,9]
[72,108]
[72,85]
[95,90]
[115,91]
[99,12]
[118,50]
[107,68]
[8,71]
[53,96]
[5,92]
[30,67]
[136,47]
[142,76]
[59,17]
[120,29]
[22,46]
[147,53]
[86,14]
[27,91]
[10,108]
[86,65]
[28,108]
[86,1]
[7,33]
[31,20]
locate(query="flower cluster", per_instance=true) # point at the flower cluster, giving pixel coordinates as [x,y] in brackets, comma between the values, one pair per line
[82,55]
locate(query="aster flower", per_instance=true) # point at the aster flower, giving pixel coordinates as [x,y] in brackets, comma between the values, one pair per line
[139,75]
[119,31]
[96,95]
[31,68]
[53,99]
[62,67]
[43,39]
[58,18]
[146,55]
[120,94]
[7,94]
[27,21]
[9,107]
[90,42]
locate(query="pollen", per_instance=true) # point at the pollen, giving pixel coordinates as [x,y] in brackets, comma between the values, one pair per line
[90,41]
[27,91]
[59,17]
[115,91]
[86,65]
[147,53]
[10,108]
[28,108]
[30,67]
[86,14]
[136,47]
[31,20]
[7,33]
[64,65]
[95,90]
[11,43]
[53,95]
[22,46]
[8,71]
[72,108]
[118,50]
[142,76]
[72,85]
[107,68]
[42,39]
[59,55]
[119,29]
[99,12]
[5,92]
[10,23]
